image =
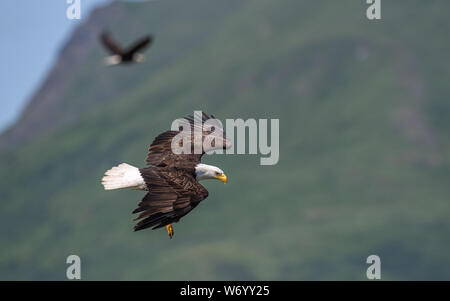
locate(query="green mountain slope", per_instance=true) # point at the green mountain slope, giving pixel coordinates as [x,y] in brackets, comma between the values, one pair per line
[364,145]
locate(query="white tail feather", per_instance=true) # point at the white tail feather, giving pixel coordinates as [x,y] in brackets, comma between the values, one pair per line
[123,176]
[112,60]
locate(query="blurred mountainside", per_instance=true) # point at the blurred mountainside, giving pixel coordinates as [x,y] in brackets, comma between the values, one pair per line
[364,144]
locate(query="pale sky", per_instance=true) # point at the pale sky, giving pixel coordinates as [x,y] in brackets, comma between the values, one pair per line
[32,32]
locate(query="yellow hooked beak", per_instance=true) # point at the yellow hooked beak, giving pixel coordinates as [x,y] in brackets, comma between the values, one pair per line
[222,177]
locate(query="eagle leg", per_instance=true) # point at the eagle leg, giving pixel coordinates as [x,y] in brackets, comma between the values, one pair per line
[170,230]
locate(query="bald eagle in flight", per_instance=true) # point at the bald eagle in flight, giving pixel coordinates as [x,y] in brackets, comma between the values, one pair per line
[171,180]
[120,55]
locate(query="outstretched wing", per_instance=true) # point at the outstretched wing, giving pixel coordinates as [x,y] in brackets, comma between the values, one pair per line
[172,194]
[110,44]
[201,133]
[140,44]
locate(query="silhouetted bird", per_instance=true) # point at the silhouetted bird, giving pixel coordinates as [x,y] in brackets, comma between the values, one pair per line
[120,56]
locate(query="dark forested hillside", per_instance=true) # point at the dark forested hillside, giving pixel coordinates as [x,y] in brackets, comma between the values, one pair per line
[364,144]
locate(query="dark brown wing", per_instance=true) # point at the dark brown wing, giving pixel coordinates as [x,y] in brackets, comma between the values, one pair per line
[173,193]
[140,44]
[110,44]
[160,151]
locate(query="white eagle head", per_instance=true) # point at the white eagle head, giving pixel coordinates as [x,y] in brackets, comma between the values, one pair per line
[138,57]
[204,171]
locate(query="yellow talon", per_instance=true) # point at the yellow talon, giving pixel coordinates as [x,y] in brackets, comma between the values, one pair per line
[170,230]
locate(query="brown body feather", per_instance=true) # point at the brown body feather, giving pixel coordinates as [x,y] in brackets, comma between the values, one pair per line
[172,194]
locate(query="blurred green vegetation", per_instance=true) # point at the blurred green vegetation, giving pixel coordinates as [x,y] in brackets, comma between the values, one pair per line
[364,147]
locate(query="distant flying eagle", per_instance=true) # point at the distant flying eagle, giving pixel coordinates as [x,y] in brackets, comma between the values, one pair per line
[171,179]
[119,55]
